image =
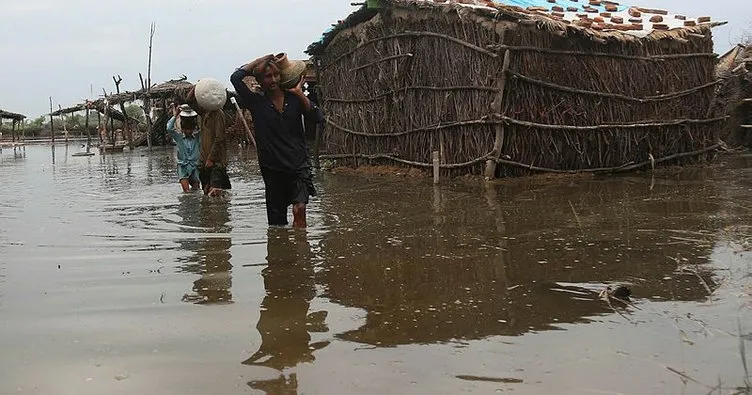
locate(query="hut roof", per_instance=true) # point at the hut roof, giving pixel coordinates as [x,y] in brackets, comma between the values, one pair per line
[165,89]
[732,60]
[96,105]
[11,115]
[606,20]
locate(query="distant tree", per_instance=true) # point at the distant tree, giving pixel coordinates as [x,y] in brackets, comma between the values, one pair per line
[134,111]
[38,122]
[74,121]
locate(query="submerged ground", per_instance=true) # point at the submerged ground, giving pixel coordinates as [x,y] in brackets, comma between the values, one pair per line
[113,282]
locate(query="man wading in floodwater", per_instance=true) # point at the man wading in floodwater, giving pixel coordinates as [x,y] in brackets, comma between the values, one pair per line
[278,122]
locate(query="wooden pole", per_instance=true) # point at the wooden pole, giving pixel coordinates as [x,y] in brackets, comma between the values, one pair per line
[126,127]
[52,126]
[88,132]
[251,139]
[62,118]
[147,100]
[436,167]
[113,132]
[497,107]
[442,151]
[149,121]
[105,134]
[13,131]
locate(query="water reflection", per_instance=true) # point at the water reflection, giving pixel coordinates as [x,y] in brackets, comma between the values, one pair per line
[396,261]
[509,259]
[3,243]
[285,324]
[18,152]
[210,220]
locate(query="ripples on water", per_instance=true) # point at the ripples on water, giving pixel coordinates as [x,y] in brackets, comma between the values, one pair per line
[111,279]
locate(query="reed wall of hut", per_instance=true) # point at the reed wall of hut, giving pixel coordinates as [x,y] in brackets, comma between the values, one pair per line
[410,78]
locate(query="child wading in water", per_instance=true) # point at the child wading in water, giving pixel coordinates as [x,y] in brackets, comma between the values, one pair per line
[188,142]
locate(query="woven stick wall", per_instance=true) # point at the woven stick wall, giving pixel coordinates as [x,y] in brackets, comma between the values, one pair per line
[412,80]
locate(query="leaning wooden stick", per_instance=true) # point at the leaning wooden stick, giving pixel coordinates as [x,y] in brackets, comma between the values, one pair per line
[247,129]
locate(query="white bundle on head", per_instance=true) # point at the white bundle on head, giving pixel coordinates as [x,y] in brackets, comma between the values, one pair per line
[210,94]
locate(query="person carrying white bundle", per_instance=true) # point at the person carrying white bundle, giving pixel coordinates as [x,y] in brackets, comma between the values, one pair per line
[208,97]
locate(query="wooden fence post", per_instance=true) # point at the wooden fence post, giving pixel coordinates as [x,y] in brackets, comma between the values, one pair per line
[496,108]
[436,167]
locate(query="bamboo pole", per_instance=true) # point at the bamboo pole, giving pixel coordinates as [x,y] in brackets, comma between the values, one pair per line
[496,108]
[52,126]
[147,99]
[642,125]
[647,99]
[430,128]
[382,60]
[498,118]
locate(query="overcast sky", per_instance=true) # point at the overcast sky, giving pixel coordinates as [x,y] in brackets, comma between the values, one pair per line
[60,48]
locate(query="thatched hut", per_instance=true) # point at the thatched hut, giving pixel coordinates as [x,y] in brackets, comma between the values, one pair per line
[16,119]
[505,90]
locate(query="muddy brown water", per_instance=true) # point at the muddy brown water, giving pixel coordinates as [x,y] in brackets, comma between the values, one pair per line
[113,282]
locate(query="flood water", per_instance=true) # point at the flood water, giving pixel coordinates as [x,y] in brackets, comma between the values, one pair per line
[114,282]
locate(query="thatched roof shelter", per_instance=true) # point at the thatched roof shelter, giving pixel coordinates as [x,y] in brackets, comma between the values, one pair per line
[96,105]
[11,115]
[560,86]
[164,90]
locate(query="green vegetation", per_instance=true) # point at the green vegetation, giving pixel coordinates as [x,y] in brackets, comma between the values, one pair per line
[135,111]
